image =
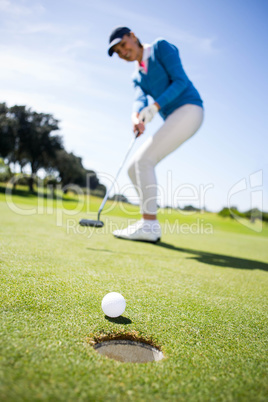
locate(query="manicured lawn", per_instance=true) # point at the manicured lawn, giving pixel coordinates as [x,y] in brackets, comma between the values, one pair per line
[201,297]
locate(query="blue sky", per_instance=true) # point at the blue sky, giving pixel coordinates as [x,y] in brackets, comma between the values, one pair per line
[53,58]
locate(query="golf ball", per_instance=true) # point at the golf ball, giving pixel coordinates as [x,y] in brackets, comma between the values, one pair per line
[113,304]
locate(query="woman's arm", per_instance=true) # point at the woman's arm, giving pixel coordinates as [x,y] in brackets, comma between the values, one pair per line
[168,56]
[140,99]
[140,102]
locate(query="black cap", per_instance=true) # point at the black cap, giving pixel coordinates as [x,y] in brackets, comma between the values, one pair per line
[116,37]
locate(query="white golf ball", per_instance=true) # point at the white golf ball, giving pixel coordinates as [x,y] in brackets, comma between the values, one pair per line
[113,304]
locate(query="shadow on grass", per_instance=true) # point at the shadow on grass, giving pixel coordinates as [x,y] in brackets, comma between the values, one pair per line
[205,257]
[100,249]
[119,320]
[32,194]
[21,193]
[220,260]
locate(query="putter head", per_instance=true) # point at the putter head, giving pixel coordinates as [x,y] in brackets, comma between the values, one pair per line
[89,222]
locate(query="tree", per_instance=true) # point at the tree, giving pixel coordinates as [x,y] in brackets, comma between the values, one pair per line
[5,172]
[120,198]
[92,180]
[26,138]
[71,171]
[190,208]
[34,143]
[69,168]
[7,133]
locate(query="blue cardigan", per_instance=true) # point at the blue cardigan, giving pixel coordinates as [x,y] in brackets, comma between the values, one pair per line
[165,81]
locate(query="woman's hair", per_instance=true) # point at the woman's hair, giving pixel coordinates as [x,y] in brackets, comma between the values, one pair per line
[138,41]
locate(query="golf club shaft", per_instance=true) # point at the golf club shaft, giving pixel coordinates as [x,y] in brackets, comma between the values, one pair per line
[113,183]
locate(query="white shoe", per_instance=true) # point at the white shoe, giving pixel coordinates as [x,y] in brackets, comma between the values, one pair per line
[142,230]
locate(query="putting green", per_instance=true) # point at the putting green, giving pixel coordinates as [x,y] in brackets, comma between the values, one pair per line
[200,296]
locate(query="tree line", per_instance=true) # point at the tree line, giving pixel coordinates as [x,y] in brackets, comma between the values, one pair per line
[29,139]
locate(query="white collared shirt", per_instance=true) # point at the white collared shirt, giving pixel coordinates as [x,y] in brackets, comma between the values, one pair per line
[145,57]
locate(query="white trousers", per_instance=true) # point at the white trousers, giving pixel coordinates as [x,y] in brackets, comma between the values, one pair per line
[178,127]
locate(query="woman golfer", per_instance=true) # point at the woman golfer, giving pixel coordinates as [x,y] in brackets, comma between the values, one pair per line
[159,73]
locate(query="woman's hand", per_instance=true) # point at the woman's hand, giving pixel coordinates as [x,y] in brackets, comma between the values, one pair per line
[147,114]
[138,126]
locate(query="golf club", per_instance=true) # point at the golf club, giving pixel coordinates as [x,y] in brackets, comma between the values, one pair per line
[98,223]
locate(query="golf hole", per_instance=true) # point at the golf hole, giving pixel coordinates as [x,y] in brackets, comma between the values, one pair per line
[129,351]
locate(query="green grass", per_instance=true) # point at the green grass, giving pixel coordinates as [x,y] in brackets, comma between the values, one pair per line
[201,297]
